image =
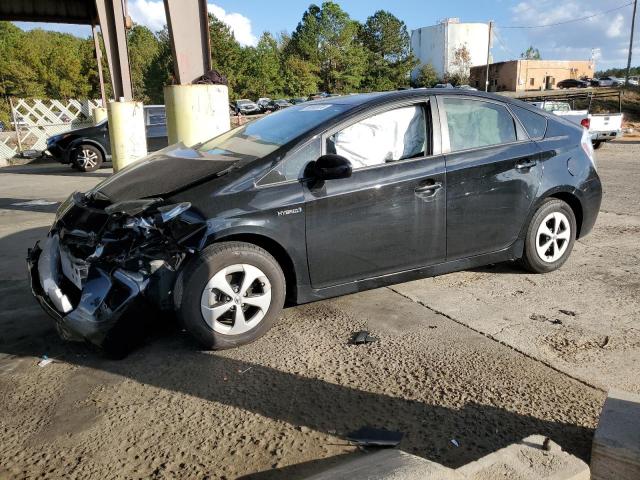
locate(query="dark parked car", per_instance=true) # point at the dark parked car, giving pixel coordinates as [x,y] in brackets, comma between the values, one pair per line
[572,83]
[314,201]
[263,103]
[246,107]
[86,149]
[298,100]
[278,104]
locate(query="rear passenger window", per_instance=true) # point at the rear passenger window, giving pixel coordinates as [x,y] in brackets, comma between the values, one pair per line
[474,123]
[534,124]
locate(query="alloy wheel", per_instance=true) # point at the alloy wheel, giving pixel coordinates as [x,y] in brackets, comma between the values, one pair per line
[552,237]
[236,299]
[87,158]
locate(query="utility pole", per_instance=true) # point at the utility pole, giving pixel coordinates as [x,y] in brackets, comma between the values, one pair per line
[486,80]
[633,25]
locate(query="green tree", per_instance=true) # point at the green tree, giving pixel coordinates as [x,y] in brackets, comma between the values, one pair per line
[389,50]
[226,52]
[427,76]
[160,70]
[531,53]
[329,39]
[144,48]
[261,75]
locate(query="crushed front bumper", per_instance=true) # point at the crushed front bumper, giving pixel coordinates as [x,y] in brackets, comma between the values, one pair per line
[87,314]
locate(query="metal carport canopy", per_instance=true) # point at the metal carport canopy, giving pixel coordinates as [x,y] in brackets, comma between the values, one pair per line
[54,11]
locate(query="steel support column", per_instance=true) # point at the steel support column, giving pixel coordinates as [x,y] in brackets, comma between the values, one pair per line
[96,44]
[114,35]
[188,24]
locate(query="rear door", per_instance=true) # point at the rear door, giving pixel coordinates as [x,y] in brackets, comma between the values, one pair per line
[389,215]
[493,174]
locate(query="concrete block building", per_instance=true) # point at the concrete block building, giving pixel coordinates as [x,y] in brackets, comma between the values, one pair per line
[436,44]
[523,75]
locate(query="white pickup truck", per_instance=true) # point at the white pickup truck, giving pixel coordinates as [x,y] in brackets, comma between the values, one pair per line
[603,127]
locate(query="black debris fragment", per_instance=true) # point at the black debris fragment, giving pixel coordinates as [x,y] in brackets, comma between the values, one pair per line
[570,313]
[362,337]
[375,437]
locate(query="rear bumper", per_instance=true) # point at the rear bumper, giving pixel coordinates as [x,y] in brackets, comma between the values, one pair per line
[605,136]
[101,303]
[591,199]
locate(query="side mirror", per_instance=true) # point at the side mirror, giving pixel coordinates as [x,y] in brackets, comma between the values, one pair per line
[331,167]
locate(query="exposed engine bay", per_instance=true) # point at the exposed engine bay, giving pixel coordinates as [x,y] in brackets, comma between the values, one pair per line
[103,261]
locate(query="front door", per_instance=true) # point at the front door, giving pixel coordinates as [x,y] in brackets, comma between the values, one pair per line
[389,216]
[493,175]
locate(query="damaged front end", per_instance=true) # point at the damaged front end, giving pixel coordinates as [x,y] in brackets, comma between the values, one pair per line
[102,262]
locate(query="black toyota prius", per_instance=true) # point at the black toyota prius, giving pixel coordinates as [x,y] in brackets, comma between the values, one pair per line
[321,199]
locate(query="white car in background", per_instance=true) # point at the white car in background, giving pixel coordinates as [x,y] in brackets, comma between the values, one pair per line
[603,127]
[610,82]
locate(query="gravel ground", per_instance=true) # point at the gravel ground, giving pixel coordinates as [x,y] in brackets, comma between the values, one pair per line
[280,408]
[583,319]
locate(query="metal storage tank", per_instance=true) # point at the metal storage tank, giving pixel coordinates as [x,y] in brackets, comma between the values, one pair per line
[436,44]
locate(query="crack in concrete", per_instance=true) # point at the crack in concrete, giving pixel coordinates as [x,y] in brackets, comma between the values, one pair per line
[493,338]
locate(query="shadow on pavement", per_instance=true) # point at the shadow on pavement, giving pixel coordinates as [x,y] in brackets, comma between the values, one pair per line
[54,169]
[171,361]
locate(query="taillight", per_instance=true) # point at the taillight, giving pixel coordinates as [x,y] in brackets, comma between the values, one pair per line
[587,146]
[586,123]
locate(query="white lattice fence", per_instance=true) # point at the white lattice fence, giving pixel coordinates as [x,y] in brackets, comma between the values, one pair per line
[39,119]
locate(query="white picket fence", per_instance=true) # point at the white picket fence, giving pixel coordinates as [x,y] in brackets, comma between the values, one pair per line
[38,119]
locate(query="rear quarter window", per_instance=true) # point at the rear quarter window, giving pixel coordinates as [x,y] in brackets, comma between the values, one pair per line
[534,124]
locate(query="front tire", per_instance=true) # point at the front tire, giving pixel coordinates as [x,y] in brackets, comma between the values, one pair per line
[550,237]
[597,144]
[230,294]
[87,158]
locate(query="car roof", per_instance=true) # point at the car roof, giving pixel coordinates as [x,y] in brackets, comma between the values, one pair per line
[371,99]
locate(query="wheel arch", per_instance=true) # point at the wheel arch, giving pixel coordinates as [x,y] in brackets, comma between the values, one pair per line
[568,196]
[87,141]
[276,250]
[576,206]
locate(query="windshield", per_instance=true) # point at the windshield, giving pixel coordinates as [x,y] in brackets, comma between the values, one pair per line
[244,102]
[266,135]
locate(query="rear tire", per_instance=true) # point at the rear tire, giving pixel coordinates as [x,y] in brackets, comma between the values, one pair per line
[87,158]
[597,144]
[550,237]
[230,294]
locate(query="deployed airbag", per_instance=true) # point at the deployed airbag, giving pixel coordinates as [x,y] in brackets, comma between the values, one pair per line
[390,136]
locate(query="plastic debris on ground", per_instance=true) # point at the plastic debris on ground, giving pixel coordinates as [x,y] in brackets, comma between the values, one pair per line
[362,337]
[44,361]
[375,437]
[455,442]
[34,203]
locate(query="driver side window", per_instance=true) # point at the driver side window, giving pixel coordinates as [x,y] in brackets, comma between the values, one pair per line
[391,136]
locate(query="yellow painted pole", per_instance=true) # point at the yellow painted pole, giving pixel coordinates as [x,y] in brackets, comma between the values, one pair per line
[196,113]
[99,114]
[127,133]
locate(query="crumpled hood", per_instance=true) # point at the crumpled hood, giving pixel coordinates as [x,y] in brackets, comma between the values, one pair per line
[163,172]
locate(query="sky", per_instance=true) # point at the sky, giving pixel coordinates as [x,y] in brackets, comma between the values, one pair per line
[607,32]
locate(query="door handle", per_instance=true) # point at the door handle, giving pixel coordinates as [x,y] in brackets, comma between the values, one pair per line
[524,164]
[429,187]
